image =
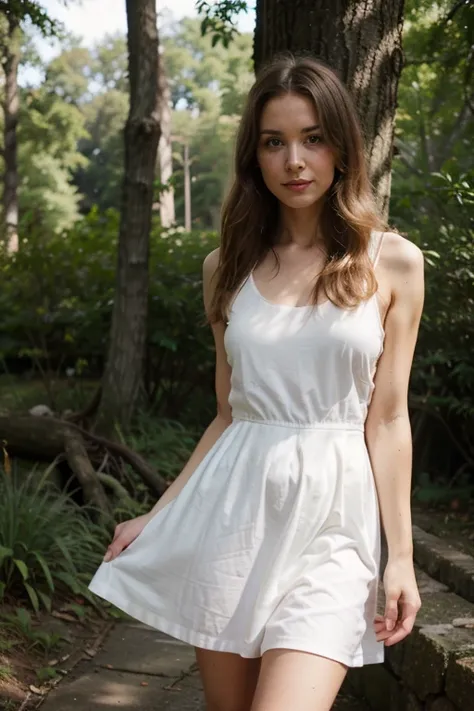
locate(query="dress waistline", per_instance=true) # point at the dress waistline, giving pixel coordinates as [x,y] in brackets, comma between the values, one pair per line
[349,426]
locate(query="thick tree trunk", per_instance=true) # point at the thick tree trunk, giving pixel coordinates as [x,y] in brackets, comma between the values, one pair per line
[361,40]
[11,60]
[123,373]
[165,153]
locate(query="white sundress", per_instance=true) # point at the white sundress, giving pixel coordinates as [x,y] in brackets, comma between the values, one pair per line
[274,541]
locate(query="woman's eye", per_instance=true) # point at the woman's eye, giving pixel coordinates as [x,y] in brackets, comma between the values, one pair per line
[314,140]
[273,142]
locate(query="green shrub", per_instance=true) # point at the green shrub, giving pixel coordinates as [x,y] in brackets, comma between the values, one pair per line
[438,216]
[57,310]
[47,545]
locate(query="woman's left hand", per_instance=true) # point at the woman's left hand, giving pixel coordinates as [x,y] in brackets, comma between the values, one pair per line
[402,602]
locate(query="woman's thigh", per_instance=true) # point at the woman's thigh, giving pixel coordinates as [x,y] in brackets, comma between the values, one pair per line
[229,680]
[290,679]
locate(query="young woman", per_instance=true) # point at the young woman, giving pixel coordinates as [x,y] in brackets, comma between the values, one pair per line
[264,553]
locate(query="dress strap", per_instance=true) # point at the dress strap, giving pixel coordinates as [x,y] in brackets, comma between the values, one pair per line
[375,246]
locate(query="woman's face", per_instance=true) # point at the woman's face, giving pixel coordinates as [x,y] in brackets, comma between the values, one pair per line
[297,166]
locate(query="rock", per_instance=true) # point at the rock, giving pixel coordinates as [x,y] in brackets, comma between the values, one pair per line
[394,657]
[380,688]
[448,565]
[411,702]
[441,704]
[463,622]
[41,411]
[427,654]
[460,683]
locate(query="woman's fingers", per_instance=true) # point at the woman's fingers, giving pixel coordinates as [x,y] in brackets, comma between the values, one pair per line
[391,611]
[116,546]
[408,616]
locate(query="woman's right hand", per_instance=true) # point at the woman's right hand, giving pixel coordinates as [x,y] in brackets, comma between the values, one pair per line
[124,534]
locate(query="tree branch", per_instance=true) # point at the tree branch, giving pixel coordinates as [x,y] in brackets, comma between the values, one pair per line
[454,10]
[80,464]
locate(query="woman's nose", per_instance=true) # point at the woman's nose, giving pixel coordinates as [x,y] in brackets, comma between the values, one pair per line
[294,160]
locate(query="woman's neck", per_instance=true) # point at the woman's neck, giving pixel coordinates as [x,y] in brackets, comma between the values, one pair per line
[299,227]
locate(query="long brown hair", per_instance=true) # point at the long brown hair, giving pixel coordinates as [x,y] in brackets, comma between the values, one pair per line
[251,212]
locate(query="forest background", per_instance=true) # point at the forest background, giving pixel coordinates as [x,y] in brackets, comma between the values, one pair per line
[58,280]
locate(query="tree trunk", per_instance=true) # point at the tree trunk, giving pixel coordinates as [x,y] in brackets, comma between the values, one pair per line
[187,188]
[123,372]
[165,152]
[11,59]
[361,40]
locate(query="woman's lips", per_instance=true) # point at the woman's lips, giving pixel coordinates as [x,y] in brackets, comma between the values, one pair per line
[298,187]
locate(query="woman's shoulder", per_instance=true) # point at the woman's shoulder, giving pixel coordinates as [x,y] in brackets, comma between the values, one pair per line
[399,255]
[211,262]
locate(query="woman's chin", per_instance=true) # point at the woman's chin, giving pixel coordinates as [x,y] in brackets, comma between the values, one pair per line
[299,200]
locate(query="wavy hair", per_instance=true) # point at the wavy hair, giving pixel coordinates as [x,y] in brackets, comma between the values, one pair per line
[250,213]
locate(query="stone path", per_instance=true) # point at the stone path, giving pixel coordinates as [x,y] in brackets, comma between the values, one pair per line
[140,669]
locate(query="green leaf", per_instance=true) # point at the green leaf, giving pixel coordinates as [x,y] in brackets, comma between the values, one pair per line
[21,565]
[24,617]
[45,599]
[45,569]
[33,596]
[5,553]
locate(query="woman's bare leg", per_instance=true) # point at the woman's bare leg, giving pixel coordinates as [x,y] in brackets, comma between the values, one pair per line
[229,680]
[290,679]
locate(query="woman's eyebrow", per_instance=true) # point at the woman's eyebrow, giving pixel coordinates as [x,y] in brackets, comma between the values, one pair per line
[275,132]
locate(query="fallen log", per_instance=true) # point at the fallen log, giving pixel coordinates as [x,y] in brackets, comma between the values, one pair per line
[45,438]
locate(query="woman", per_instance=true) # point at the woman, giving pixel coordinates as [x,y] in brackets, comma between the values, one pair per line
[264,553]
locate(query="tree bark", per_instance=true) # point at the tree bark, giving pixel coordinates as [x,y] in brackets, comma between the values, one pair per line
[123,372]
[165,152]
[11,60]
[362,41]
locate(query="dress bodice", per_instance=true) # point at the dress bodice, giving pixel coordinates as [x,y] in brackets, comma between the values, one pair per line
[302,365]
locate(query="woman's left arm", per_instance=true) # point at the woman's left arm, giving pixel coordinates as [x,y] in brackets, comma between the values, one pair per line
[388,432]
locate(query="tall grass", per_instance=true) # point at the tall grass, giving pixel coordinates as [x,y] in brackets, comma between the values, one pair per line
[48,546]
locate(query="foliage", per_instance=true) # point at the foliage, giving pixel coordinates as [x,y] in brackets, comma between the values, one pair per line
[48,134]
[47,545]
[436,100]
[208,89]
[72,293]
[432,202]
[443,374]
[32,11]
[95,82]
[100,179]
[21,623]
[166,444]
[219,19]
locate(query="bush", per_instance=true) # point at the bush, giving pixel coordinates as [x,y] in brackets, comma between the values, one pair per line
[57,311]
[47,544]
[439,218]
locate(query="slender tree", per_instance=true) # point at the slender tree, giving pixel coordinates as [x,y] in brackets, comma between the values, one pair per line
[123,372]
[165,152]
[11,52]
[12,14]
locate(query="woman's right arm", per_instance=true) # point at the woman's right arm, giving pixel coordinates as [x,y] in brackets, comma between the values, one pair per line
[127,531]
